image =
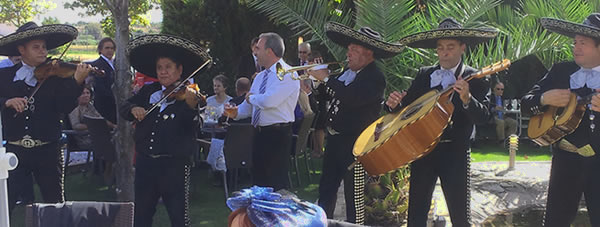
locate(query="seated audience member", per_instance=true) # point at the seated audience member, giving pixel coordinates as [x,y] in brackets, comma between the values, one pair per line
[242,87]
[10,61]
[84,108]
[505,125]
[217,101]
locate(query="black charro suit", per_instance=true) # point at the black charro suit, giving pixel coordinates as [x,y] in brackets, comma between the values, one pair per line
[571,174]
[104,100]
[450,159]
[353,108]
[55,98]
[164,142]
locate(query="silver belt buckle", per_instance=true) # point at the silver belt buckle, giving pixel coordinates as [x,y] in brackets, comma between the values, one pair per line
[27,142]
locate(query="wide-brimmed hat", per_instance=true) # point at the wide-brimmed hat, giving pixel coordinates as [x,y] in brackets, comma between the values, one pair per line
[449,28]
[590,26]
[365,36]
[55,35]
[144,51]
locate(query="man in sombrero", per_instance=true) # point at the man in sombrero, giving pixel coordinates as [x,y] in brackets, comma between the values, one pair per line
[450,159]
[164,137]
[575,159]
[31,108]
[357,96]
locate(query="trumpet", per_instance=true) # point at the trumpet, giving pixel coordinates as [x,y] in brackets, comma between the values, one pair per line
[282,72]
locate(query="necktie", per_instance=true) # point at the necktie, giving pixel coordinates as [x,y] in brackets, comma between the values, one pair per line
[499,103]
[442,76]
[261,90]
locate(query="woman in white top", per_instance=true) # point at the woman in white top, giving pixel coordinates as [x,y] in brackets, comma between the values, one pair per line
[214,104]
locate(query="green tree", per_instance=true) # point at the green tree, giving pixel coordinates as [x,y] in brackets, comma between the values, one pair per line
[93,29]
[50,20]
[119,12]
[136,13]
[19,12]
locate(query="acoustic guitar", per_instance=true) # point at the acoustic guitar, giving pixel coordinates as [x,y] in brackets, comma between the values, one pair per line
[557,122]
[397,139]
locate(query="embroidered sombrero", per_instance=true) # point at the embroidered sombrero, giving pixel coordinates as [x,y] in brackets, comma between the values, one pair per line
[55,35]
[590,26]
[449,28]
[365,36]
[144,51]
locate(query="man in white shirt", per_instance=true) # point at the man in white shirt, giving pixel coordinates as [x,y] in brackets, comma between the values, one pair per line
[271,104]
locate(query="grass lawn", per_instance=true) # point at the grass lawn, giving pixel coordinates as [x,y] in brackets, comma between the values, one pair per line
[207,202]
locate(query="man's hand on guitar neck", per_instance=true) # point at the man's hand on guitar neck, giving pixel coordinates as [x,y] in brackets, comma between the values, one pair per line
[395,98]
[556,97]
[596,102]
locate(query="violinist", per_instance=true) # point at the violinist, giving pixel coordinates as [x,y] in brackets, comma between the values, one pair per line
[32,103]
[165,130]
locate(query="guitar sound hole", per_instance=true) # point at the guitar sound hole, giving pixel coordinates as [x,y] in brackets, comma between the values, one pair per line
[408,113]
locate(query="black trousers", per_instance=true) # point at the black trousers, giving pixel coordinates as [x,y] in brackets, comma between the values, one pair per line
[271,156]
[45,163]
[451,163]
[571,176]
[166,178]
[338,156]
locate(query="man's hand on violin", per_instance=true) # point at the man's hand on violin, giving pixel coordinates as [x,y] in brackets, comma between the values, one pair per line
[138,112]
[191,97]
[18,104]
[82,71]
[395,98]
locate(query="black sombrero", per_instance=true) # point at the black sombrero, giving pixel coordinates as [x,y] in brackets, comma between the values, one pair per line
[590,26]
[365,36]
[55,35]
[449,28]
[144,51]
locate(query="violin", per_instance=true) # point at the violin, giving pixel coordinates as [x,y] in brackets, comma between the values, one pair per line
[180,94]
[62,69]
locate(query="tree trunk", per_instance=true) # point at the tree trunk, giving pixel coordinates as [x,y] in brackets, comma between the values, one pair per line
[122,90]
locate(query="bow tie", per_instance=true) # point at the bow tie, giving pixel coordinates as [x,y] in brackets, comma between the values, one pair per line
[25,73]
[584,77]
[442,76]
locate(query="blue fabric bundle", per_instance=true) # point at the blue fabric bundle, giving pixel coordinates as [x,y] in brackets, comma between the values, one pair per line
[267,208]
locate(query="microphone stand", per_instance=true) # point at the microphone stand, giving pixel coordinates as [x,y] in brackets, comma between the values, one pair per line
[8,161]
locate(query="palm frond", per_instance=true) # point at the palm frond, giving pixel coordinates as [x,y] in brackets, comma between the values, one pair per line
[306,18]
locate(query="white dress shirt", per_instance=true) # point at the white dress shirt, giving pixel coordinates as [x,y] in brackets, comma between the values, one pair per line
[110,62]
[278,102]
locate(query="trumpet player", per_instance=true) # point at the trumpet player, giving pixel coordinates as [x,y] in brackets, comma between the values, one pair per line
[357,97]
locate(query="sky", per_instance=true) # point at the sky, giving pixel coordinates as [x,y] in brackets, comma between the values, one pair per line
[71,16]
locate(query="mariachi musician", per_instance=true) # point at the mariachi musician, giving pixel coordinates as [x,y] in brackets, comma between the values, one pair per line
[450,159]
[32,102]
[165,130]
[357,97]
[575,162]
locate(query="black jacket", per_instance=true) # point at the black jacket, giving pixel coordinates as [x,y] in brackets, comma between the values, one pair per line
[170,132]
[104,100]
[55,97]
[461,125]
[354,107]
[559,78]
